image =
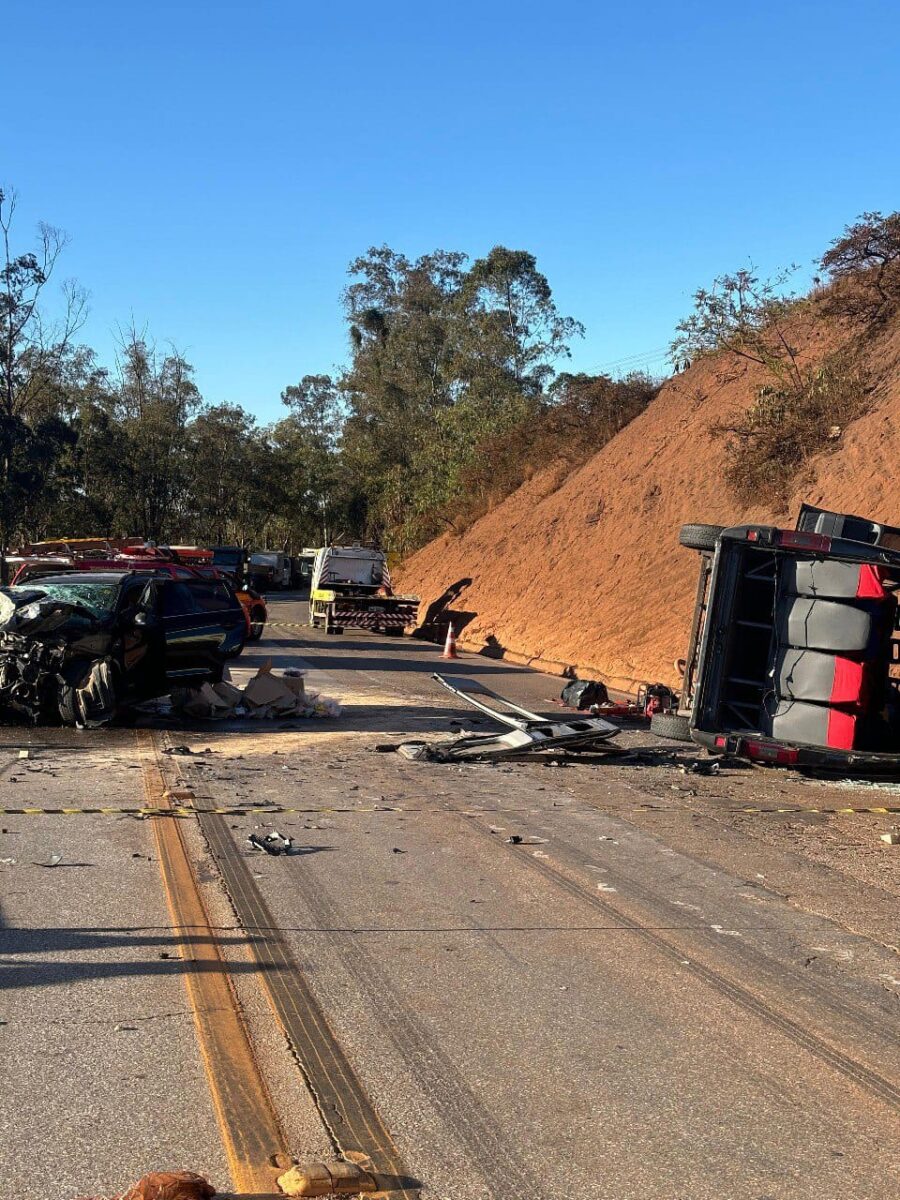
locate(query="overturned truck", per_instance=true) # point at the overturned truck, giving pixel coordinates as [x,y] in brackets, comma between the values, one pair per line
[795,644]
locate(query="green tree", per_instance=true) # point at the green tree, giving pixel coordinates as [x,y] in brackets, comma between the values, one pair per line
[749,318]
[31,350]
[867,258]
[156,398]
[512,317]
[444,358]
[309,440]
[222,474]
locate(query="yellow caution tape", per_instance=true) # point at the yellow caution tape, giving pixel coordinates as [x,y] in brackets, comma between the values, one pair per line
[176,811]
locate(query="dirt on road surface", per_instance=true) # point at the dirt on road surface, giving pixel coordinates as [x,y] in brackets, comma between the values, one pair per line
[615,979]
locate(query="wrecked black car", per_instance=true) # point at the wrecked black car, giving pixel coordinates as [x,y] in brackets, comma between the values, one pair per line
[78,647]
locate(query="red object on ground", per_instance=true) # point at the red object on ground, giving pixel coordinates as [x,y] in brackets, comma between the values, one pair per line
[450,644]
[171,1185]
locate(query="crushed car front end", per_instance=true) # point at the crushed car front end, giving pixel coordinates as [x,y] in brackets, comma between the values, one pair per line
[56,653]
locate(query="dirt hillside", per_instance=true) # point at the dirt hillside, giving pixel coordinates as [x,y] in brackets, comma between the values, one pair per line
[590,575]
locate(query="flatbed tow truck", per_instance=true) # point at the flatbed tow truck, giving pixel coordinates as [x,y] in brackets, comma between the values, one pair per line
[351,587]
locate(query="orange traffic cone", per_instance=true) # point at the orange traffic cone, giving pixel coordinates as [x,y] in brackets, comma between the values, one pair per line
[450,644]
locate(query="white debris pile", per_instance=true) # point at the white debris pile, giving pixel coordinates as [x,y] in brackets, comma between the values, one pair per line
[265,697]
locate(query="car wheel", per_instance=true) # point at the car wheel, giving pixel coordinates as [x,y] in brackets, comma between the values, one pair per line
[75,710]
[673,726]
[257,624]
[67,703]
[700,537]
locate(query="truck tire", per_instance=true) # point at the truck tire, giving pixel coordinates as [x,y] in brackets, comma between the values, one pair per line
[673,726]
[700,537]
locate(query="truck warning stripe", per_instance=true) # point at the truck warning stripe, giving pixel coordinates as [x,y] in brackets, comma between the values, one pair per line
[178,810]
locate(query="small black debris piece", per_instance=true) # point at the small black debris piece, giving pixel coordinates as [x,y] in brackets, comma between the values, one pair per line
[701,767]
[273,843]
[582,693]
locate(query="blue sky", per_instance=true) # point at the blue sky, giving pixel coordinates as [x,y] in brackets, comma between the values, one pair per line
[217,165]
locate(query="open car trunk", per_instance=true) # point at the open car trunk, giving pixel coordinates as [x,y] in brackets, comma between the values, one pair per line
[798,650]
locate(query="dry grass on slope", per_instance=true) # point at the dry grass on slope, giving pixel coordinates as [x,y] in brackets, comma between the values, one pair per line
[589,574]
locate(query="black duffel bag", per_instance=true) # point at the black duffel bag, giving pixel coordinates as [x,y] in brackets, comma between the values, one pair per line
[584,693]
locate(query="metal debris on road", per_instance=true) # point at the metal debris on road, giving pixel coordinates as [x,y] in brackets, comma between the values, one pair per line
[53,861]
[274,843]
[527,731]
[701,767]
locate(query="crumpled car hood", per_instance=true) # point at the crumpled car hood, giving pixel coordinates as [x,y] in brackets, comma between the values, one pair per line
[37,659]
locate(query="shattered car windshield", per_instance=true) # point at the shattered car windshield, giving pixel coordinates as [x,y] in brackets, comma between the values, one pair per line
[99,599]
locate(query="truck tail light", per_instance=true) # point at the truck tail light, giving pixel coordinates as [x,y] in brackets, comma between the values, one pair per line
[779,755]
[797,539]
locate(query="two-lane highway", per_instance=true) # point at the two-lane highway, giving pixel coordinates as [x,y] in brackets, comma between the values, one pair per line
[604,980]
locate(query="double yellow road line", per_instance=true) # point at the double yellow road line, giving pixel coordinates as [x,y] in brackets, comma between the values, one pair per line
[250,1132]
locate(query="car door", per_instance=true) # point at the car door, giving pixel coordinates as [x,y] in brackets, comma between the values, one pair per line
[226,626]
[140,647]
[203,625]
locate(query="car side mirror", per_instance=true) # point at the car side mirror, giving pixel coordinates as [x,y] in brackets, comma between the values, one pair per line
[143,618]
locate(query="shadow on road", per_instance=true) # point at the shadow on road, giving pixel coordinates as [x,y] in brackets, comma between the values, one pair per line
[22,973]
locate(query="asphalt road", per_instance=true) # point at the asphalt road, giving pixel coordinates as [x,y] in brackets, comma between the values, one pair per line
[658,992]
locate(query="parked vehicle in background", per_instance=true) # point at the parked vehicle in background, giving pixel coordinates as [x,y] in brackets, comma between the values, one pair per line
[351,586]
[191,556]
[253,602]
[76,646]
[22,568]
[269,570]
[257,613]
[303,568]
[230,560]
[791,650]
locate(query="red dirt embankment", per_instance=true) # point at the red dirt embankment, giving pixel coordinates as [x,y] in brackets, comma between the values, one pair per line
[589,575]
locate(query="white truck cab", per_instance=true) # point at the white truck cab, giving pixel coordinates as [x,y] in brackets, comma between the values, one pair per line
[351,585]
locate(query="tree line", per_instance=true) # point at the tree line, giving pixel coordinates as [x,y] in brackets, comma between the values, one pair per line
[450,397]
